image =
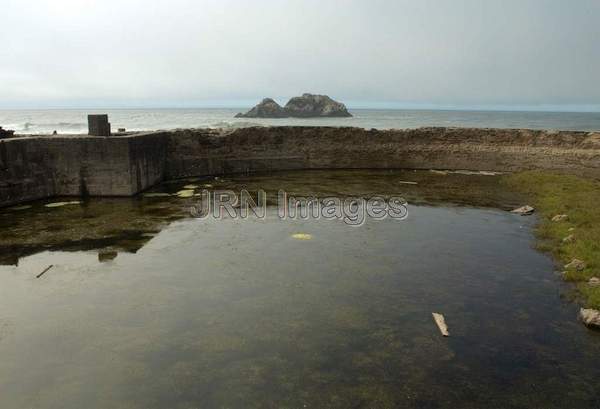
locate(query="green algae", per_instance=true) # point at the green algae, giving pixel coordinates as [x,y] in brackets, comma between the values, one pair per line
[556,194]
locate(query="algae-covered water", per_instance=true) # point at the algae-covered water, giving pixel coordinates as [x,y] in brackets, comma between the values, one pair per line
[238,313]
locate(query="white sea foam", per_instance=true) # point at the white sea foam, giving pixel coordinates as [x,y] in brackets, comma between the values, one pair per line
[75,121]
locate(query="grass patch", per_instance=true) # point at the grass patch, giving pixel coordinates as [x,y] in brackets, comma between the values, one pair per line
[579,198]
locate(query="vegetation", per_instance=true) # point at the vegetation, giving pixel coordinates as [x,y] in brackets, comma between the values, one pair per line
[555,194]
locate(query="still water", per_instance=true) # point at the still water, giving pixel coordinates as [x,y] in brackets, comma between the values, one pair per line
[238,314]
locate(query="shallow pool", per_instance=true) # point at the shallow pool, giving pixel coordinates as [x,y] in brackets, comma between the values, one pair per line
[240,314]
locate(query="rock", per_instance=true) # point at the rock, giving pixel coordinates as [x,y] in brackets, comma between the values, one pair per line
[306,106]
[267,108]
[5,133]
[571,230]
[310,106]
[107,255]
[576,265]
[569,239]
[560,218]
[590,317]
[524,211]
[594,282]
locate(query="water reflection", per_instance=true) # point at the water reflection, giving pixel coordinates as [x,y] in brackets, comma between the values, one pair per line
[240,314]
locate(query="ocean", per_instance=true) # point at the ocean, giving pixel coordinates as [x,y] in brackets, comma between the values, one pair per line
[75,121]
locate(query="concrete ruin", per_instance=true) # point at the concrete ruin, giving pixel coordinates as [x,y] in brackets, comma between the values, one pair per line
[38,167]
[98,125]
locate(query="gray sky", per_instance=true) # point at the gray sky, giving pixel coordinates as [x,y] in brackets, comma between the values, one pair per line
[396,53]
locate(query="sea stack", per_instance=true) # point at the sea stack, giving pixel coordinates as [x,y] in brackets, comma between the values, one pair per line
[267,108]
[306,106]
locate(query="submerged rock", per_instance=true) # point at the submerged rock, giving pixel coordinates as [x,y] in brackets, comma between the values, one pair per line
[267,108]
[107,255]
[302,236]
[590,317]
[306,106]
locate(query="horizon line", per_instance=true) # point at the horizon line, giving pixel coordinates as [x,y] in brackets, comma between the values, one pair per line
[376,106]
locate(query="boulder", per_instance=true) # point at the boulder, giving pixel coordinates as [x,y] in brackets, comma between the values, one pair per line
[310,106]
[267,108]
[524,211]
[590,317]
[560,218]
[594,282]
[306,106]
[576,265]
[5,133]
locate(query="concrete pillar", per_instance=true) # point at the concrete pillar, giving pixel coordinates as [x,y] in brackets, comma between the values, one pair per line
[98,125]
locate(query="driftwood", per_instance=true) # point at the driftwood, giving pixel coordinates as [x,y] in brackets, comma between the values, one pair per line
[441,323]
[44,272]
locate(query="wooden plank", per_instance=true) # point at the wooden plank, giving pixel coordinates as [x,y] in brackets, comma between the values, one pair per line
[441,323]
[44,272]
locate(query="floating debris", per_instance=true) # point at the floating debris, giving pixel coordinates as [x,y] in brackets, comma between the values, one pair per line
[44,272]
[475,172]
[157,194]
[404,182]
[60,204]
[441,323]
[302,236]
[208,186]
[192,187]
[18,208]
[439,172]
[524,211]
[185,193]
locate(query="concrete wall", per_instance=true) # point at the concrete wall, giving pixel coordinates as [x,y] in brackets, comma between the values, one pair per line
[205,152]
[39,167]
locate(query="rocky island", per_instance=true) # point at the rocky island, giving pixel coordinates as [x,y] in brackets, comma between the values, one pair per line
[306,106]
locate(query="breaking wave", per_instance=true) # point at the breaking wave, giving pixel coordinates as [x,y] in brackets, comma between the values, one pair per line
[65,127]
[234,125]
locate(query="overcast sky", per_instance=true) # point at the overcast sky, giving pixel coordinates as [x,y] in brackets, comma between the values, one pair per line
[397,53]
